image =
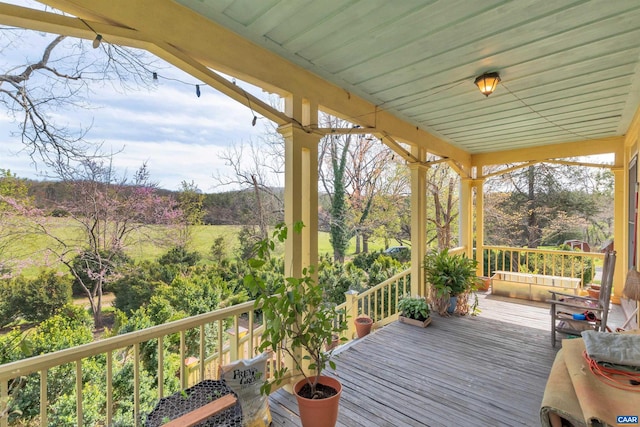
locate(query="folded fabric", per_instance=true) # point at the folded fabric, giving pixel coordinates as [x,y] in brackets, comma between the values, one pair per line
[619,349]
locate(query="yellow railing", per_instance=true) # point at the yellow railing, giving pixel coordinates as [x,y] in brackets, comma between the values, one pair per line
[236,337]
[232,341]
[540,261]
[379,302]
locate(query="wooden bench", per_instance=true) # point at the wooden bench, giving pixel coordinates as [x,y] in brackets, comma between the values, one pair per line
[531,286]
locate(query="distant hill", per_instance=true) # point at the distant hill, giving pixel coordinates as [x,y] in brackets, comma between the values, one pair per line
[227,208]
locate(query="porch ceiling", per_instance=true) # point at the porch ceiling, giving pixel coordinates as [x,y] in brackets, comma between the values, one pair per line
[569,68]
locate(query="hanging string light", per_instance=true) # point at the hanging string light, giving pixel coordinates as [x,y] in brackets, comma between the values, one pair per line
[156,78]
[97,41]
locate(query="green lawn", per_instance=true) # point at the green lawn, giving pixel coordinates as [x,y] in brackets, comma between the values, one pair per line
[32,250]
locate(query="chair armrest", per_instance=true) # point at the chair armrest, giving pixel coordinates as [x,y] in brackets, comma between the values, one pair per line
[576,306]
[584,298]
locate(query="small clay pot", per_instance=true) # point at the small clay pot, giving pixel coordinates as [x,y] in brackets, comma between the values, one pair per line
[363,325]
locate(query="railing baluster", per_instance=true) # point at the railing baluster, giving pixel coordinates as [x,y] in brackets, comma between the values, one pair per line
[4,401]
[375,306]
[234,340]
[136,384]
[161,367]
[252,352]
[109,381]
[220,343]
[183,377]
[202,348]
[80,419]
[43,398]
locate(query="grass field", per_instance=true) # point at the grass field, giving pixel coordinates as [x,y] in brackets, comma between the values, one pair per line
[31,250]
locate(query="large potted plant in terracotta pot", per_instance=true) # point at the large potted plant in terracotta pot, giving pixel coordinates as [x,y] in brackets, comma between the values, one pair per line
[298,321]
[453,281]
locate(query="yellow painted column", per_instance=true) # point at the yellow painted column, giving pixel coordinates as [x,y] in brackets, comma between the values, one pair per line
[479,186]
[466,216]
[300,198]
[418,222]
[300,194]
[619,232]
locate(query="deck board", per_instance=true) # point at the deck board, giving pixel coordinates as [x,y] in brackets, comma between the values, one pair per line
[488,370]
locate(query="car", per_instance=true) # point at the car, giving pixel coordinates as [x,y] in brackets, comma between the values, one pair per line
[396,250]
[401,253]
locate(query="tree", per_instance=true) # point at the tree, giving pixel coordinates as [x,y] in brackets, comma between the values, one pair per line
[334,150]
[547,204]
[111,213]
[33,92]
[442,185]
[257,166]
[369,160]
[190,202]
[108,214]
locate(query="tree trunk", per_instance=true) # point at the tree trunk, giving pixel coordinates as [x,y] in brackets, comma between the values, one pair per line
[261,220]
[532,220]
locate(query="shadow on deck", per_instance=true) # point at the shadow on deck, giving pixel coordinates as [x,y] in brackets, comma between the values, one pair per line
[489,370]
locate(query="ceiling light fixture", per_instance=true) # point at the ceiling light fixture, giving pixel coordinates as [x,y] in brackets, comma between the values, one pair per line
[487,83]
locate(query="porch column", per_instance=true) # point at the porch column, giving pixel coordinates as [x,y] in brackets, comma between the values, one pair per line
[300,195]
[479,186]
[300,187]
[619,231]
[418,222]
[466,216]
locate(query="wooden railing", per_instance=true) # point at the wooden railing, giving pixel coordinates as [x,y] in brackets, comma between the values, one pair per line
[380,302]
[576,264]
[223,336]
[220,330]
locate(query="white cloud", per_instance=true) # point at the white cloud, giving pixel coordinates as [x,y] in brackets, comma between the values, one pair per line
[178,134]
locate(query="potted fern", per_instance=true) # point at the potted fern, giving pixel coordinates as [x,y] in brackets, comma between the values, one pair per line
[453,280]
[414,311]
[297,321]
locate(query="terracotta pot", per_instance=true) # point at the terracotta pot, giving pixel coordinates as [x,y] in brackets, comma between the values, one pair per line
[363,326]
[335,340]
[319,412]
[484,284]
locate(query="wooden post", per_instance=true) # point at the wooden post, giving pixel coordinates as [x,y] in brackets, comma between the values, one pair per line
[352,312]
[418,221]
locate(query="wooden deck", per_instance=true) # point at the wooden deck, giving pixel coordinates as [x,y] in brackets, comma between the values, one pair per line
[488,370]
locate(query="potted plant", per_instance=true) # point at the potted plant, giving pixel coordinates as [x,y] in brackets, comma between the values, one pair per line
[453,279]
[414,311]
[298,321]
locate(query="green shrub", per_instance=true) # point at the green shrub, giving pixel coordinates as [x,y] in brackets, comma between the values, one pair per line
[135,289]
[180,256]
[34,300]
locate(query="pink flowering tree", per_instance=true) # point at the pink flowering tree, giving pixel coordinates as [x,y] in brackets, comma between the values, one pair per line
[107,215]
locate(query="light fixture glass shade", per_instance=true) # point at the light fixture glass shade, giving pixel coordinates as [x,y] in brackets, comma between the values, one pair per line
[487,83]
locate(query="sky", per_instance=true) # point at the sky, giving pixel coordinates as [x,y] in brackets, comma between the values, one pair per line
[180,136]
